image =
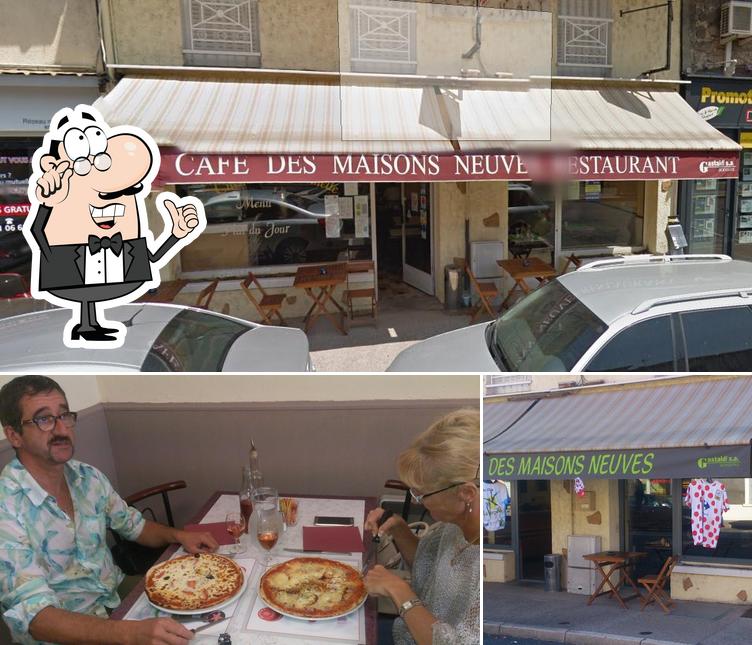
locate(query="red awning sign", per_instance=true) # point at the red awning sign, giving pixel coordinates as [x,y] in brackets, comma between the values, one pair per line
[187,168]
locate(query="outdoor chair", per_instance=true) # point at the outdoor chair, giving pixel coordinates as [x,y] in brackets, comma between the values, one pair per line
[133,558]
[358,291]
[486,291]
[268,305]
[206,294]
[655,585]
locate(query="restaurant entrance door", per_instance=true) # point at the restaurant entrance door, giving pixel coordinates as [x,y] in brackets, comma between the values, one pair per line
[417,246]
[534,521]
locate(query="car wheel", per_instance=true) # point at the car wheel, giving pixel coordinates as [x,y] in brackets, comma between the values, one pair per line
[292,251]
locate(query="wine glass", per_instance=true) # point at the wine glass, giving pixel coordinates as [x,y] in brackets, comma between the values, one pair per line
[235,526]
[267,530]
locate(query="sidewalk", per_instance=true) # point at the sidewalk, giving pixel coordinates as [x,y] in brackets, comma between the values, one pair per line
[405,316]
[526,611]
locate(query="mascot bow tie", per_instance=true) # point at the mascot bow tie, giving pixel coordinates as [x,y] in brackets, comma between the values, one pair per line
[115,243]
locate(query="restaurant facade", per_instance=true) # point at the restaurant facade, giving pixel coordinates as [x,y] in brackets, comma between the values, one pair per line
[296,169]
[583,463]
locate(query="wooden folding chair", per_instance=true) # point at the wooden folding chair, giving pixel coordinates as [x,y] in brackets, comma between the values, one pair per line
[486,291]
[655,586]
[268,305]
[205,295]
[357,291]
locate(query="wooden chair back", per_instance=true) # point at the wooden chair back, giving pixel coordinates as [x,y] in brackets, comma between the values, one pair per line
[206,294]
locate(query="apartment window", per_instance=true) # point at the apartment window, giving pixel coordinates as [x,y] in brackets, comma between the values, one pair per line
[508,384]
[584,38]
[221,33]
[383,36]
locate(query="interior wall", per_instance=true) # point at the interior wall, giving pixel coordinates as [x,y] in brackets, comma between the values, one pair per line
[333,448]
[318,387]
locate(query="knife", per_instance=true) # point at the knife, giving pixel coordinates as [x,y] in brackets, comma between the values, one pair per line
[196,630]
[375,540]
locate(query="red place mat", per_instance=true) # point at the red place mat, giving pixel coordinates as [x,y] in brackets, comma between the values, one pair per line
[340,539]
[217,529]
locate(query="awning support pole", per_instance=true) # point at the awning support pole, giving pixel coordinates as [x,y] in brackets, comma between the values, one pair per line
[670,20]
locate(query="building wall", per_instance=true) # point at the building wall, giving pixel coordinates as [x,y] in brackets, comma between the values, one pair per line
[703,49]
[146,32]
[639,40]
[44,33]
[711,584]
[567,518]
[299,35]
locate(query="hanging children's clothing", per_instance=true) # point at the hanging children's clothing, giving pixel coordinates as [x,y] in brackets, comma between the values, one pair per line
[495,502]
[708,501]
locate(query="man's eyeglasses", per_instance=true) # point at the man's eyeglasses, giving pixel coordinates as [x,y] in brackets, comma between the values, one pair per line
[46,422]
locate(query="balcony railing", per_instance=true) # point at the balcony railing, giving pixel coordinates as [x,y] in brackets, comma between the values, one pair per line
[382,38]
[584,42]
[221,32]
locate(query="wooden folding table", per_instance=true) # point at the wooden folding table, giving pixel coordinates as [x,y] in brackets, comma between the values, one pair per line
[609,563]
[521,269]
[319,282]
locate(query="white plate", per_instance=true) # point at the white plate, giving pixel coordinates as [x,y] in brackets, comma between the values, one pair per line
[203,610]
[308,618]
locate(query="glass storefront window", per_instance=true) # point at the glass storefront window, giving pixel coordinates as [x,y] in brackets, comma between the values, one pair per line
[599,214]
[648,521]
[497,514]
[531,219]
[735,533]
[742,240]
[278,225]
[707,216]
[15,168]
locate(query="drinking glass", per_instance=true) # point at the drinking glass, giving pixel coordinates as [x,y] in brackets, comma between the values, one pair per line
[235,526]
[268,525]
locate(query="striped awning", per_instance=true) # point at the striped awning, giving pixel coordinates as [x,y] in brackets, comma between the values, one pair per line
[675,428]
[263,116]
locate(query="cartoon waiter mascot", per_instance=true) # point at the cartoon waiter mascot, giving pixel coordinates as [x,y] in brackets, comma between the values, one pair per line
[91,246]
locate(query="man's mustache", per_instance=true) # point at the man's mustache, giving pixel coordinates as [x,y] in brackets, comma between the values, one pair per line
[60,440]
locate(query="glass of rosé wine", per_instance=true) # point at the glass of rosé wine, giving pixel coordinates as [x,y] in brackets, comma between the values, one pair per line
[268,526]
[235,525]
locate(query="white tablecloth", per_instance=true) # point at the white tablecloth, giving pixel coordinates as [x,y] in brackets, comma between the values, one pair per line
[244,627]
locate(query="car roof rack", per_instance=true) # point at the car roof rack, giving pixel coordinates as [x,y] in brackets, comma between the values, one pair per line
[641,260]
[706,295]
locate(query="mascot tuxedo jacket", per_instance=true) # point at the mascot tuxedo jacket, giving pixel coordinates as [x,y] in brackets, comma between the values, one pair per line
[62,266]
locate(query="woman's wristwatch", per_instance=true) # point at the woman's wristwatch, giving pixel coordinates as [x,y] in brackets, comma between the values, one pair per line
[408,605]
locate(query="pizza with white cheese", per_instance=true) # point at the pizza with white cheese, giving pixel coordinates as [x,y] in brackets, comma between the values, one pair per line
[312,588]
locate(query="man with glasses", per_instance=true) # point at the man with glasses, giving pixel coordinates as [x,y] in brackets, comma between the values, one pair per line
[57,578]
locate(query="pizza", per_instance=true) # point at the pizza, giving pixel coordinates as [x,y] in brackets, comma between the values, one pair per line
[312,588]
[193,581]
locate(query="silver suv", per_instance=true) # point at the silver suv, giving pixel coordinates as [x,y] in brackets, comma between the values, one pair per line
[640,313]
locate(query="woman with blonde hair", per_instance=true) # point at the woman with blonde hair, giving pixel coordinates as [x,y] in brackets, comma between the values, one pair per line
[441,606]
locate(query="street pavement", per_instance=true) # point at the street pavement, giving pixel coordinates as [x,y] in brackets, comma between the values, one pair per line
[508,640]
[526,611]
[405,316]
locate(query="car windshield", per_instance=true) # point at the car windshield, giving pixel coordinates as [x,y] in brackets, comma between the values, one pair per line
[548,331]
[193,341]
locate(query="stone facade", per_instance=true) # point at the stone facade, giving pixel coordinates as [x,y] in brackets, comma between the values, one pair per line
[701,41]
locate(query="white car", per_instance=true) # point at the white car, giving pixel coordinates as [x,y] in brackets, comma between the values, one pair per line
[159,338]
[641,313]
